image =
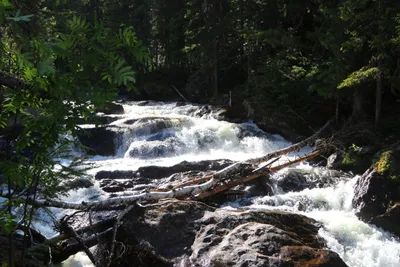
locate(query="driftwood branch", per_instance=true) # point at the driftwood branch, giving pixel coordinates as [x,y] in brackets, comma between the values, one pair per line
[62,252]
[114,235]
[179,93]
[224,187]
[293,148]
[66,228]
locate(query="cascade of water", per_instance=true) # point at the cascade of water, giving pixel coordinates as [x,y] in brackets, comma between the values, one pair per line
[357,243]
[165,134]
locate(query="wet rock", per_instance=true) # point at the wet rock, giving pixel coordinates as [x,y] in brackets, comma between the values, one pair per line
[259,187]
[98,120]
[194,234]
[355,159]
[81,182]
[334,161]
[156,149]
[112,186]
[114,175]
[294,180]
[390,220]
[258,244]
[304,256]
[370,195]
[112,108]
[377,193]
[152,126]
[99,140]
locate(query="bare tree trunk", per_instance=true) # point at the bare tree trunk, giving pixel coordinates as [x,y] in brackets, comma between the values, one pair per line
[358,109]
[215,67]
[292,148]
[337,111]
[229,185]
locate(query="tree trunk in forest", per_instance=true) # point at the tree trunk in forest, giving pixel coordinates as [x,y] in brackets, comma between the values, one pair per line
[379,88]
[358,99]
[337,111]
[215,68]
[214,48]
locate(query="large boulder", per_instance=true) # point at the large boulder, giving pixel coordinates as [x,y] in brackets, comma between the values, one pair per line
[186,233]
[155,149]
[295,180]
[377,192]
[99,140]
[390,220]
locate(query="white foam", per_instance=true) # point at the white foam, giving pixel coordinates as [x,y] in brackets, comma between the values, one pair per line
[202,137]
[358,244]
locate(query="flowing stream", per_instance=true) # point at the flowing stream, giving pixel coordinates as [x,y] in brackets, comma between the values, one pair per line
[165,134]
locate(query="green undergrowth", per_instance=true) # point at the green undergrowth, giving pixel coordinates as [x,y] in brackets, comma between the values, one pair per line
[386,165]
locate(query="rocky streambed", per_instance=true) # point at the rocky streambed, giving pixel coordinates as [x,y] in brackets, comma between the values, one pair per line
[300,216]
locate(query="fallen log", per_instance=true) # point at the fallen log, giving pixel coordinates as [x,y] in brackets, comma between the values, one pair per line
[251,177]
[182,192]
[151,195]
[60,253]
[293,148]
[95,228]
[188,190]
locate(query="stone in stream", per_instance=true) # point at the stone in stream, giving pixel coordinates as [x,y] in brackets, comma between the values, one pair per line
[99,140]
[188,233]
[296,180]
[80,182]
[377,193]
[112,108]
[156,149]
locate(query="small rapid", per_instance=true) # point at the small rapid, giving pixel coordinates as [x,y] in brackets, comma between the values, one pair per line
[358,244]
[165,134]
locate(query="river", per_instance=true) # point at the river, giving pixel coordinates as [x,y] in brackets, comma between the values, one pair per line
[191,134]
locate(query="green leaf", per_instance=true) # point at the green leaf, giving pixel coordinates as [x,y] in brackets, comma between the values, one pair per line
[17,17]
[45,68]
